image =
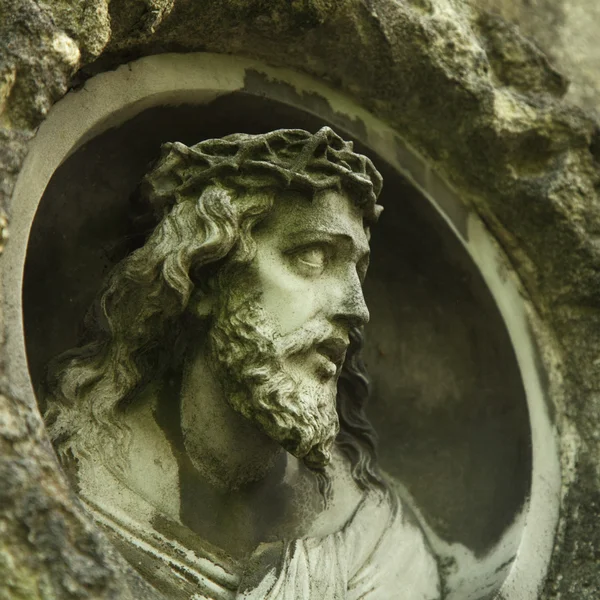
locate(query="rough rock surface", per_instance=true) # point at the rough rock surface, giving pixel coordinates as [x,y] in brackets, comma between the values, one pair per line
[465,89]
[567,32]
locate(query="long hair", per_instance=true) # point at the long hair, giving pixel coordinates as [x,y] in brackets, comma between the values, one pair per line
[205,223]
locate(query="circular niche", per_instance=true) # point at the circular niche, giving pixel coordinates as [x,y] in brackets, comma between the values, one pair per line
[448,401]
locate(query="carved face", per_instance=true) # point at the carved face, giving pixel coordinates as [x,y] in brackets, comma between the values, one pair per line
[281,329]
[311,259]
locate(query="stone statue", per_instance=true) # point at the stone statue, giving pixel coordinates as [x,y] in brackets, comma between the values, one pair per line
[213,419]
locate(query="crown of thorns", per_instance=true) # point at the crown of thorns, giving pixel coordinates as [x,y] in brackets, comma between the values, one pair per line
[286,158]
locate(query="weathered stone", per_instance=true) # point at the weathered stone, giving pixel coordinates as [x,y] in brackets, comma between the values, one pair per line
[473,96]
[566,32]
[517,62]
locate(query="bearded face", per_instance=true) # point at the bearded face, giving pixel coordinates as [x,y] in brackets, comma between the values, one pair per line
[270,380]
[279,325]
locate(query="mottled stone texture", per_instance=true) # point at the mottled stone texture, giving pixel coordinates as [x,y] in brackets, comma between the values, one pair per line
[567,32]
[468,91]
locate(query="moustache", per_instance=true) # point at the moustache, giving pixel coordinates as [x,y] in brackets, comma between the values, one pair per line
[311,336]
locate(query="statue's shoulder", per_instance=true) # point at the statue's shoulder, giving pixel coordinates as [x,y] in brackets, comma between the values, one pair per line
[388,550]
[344,498]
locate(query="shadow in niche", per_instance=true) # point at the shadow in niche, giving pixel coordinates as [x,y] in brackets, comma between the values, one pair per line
[448,401]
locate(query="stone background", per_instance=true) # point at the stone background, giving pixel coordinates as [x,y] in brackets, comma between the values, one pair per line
[567,32]
[479,100]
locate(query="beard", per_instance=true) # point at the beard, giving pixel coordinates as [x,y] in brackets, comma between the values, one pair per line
[249,358]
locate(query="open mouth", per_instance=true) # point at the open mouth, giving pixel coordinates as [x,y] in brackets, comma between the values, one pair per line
[334,350]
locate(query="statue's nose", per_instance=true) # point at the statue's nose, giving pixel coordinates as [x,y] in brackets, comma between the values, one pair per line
[349,302]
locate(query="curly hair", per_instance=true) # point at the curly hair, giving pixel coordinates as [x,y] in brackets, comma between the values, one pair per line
[206,200]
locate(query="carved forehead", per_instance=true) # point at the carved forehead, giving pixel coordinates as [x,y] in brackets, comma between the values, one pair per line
[328,212]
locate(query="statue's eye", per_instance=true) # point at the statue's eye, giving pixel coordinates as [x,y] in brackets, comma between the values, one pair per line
[311,260]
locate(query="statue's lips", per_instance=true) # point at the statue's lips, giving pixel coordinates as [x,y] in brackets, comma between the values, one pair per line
[334,350]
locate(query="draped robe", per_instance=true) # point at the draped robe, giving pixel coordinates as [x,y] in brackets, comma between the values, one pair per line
[379,554]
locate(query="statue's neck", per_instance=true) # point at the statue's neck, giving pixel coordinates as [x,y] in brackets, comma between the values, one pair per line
[224,447]
[196,460]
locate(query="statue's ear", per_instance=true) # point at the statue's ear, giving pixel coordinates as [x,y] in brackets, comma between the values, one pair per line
[201,303]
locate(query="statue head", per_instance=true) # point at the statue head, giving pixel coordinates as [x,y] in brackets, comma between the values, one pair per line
[256,248]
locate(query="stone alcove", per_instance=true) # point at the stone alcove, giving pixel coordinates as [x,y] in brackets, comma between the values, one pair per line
[477,99]
[437,276]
